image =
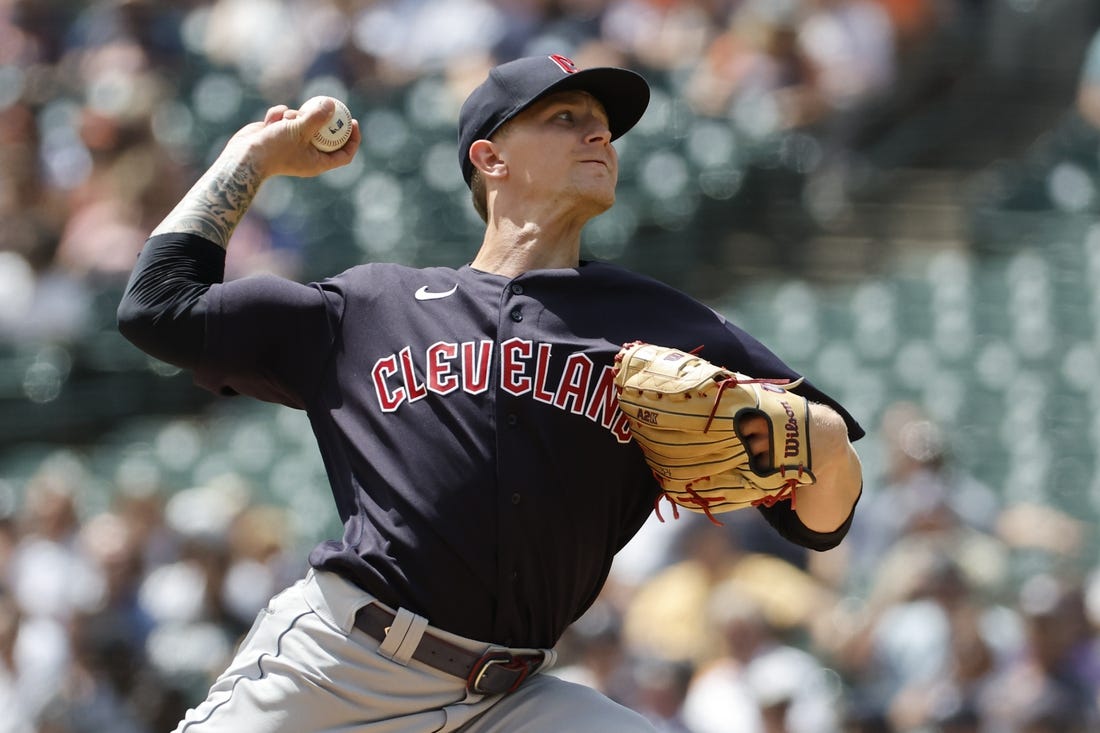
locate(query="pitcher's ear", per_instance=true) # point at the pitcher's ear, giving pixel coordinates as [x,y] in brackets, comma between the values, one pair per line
[486,158]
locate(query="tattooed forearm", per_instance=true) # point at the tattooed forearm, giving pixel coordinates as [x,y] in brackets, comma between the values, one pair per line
[216,203]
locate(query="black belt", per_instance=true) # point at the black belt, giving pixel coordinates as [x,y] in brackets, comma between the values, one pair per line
[494,672]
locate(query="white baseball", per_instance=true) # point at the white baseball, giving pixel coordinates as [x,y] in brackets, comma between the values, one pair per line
[335,133]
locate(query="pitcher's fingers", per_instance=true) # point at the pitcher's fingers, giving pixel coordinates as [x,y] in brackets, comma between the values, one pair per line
[355,138]
[756,437]
[276,113]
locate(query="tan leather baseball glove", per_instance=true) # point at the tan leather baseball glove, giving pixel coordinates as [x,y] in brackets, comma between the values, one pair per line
[687,415]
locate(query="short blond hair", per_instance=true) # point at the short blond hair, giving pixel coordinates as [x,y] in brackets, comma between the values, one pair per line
[479,196]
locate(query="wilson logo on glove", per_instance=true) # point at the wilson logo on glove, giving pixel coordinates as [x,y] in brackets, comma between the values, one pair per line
[793,445]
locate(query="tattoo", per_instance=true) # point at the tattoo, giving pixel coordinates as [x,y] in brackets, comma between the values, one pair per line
[216,203]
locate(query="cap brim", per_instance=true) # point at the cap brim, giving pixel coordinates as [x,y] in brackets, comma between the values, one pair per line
[623,94]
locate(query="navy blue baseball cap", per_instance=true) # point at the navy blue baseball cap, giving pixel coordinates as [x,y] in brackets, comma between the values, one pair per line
[514,86]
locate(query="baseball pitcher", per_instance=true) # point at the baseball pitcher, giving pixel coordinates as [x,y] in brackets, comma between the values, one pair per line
[493,433]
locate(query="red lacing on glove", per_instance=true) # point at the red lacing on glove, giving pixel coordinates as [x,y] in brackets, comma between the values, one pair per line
[733,382]
[693,498]
[785,493]
[657,506]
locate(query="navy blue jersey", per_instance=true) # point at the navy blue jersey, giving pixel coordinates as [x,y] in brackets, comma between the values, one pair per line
[468,423]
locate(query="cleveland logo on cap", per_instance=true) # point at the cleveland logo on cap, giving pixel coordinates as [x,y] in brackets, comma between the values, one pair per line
[565,64]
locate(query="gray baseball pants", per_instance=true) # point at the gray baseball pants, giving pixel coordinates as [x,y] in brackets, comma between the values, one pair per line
[305,668]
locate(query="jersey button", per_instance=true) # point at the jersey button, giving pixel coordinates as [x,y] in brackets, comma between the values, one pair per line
[517,289]
[512,420]
[516,315]
[516,498]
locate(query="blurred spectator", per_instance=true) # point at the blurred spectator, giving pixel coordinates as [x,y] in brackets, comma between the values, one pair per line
[756,72]
[522,21]
[1046,534]
[1088,86]
[38,27]
[413,37]
[549,26]
[1059,170]
[153,26]
[666,35]
[914,20]
[759,683]
[593,654]
[921,494]
[965,645]
[52,580]
[851,45]
[127,180]
[9,538]
[92,692]
[237,34]
[141,505]
[112,547]
[109,683]
[653,548]
[903,650]
[17,717]
[51,576]
[261,561]
[1052,684]
[661,691]
[668,615]
[33,213]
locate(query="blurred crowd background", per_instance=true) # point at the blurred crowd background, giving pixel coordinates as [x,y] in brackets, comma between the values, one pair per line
[899,196]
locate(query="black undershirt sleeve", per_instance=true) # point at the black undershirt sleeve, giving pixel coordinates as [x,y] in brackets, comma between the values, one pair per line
[161,311]
[786,522]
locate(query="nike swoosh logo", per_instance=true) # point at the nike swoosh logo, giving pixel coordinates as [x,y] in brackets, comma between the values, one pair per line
[425,294]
